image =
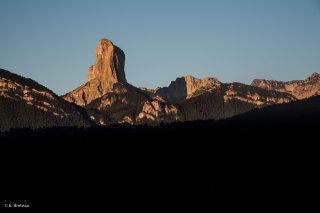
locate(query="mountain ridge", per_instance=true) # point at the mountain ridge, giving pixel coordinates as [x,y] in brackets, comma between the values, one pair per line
[108,98]
[300,89]
[166,104]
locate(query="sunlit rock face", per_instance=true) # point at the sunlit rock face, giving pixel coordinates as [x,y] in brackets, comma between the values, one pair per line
[157,111]
[109,66]
[300,89]
[25,103]
[187,87]
[208,98]
[127,104]
[107,71]
[255,96]
[108,93]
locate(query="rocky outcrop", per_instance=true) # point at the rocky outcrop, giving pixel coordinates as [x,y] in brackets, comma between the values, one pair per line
[300,89]
[187,87]
[158,111]
[108,93]
[127,104]
[25,103]
[102,76]
[122,104]
[208,98]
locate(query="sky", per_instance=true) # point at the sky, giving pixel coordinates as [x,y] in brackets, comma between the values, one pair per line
[54,41]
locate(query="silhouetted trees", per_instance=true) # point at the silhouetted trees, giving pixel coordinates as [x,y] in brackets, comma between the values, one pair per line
[266,155]
[17,114]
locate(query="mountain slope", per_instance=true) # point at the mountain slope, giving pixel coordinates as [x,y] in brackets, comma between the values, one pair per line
[25,103]
[306,111]
[229,100]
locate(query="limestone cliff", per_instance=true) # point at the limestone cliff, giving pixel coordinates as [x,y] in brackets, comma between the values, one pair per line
[187,87]
[300,89]
[107,71]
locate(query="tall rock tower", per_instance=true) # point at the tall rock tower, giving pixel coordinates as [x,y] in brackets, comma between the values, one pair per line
[102,76]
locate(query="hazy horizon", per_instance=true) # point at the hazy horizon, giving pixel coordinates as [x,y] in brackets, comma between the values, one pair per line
[53,42]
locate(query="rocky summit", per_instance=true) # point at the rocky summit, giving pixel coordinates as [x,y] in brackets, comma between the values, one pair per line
[102,76]
[110,99]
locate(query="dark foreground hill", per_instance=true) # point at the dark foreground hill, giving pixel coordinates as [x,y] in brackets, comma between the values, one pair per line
[263,157]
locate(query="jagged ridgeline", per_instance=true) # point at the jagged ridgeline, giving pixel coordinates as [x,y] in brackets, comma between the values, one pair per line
[186,98]
[108,98]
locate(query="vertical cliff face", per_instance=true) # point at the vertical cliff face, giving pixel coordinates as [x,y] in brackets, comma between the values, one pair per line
[102,76]
[300,89]
[109,66]
[187,87]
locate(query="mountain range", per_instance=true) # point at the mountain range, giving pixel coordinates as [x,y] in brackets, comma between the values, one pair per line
[108,98]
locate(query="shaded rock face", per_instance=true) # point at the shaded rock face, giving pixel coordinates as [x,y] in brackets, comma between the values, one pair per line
[102,76]
[300,89]
[187,87]
[25,103]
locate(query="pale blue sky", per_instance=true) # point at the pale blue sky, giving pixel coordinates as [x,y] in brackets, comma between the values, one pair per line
[53,42]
